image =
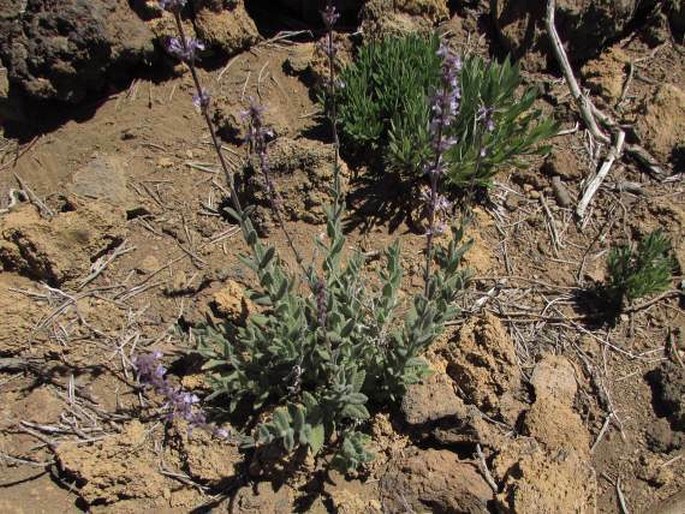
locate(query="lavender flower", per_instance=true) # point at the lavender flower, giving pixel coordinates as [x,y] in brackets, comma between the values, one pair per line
[330,16]
[485,114]
[180,404]
[257,136]
[187,50]
[444,110]
[201,100]
[445,105]
[257,131]
[172,5]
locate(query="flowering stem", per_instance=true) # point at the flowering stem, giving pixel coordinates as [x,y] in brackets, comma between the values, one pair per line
[434,180]
[205,114]
[180,404]
[330,16]
[444,109]
[257,137]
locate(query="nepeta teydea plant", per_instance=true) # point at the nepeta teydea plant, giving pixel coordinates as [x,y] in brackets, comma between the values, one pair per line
[386,101]
[326,347]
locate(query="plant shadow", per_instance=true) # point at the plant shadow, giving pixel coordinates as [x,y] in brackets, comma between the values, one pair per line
[599,307]
[384,200]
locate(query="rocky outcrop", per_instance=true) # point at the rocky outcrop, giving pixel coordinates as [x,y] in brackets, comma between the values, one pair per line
[61,50]
[61,249]
[301,170]
[482,363]
[661,123]
[225,26]
[434,481]
[383,18]
[585,27]
[64,49]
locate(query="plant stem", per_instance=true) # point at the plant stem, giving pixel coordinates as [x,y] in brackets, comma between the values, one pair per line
[333,110]
[215,141]
[235,200]
[434,179]
[259,147]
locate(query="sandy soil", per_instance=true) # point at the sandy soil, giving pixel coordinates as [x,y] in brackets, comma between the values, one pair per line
[121,249]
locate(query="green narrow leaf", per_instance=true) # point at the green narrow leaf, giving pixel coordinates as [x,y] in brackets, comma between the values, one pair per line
[317,438]
[268,257]
[289,440]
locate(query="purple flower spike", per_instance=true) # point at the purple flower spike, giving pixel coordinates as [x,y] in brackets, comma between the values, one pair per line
[253,117]
[258,135]
[330,16]
[185,51]
[444,108]
[180,404]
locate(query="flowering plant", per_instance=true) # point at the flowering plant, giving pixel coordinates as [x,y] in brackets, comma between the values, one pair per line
[326,348]
[387,105]
[179,404]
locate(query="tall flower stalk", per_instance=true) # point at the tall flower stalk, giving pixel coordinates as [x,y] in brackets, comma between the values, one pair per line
[330,17]
[444,110]
[186,49]
[257,137]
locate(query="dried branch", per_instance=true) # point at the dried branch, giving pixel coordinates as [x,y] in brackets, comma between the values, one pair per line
[591,114]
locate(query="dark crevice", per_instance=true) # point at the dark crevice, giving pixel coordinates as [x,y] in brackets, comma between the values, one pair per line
[273,16]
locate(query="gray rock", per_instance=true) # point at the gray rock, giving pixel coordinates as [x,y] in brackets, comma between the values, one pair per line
[554,378]
[103,178]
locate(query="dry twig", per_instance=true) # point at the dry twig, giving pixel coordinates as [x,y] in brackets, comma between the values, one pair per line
[591,114]
[483,466]
[101,264]
[44,210]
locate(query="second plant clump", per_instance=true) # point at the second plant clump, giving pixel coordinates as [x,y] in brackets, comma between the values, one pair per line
[640,270]
[385,105]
